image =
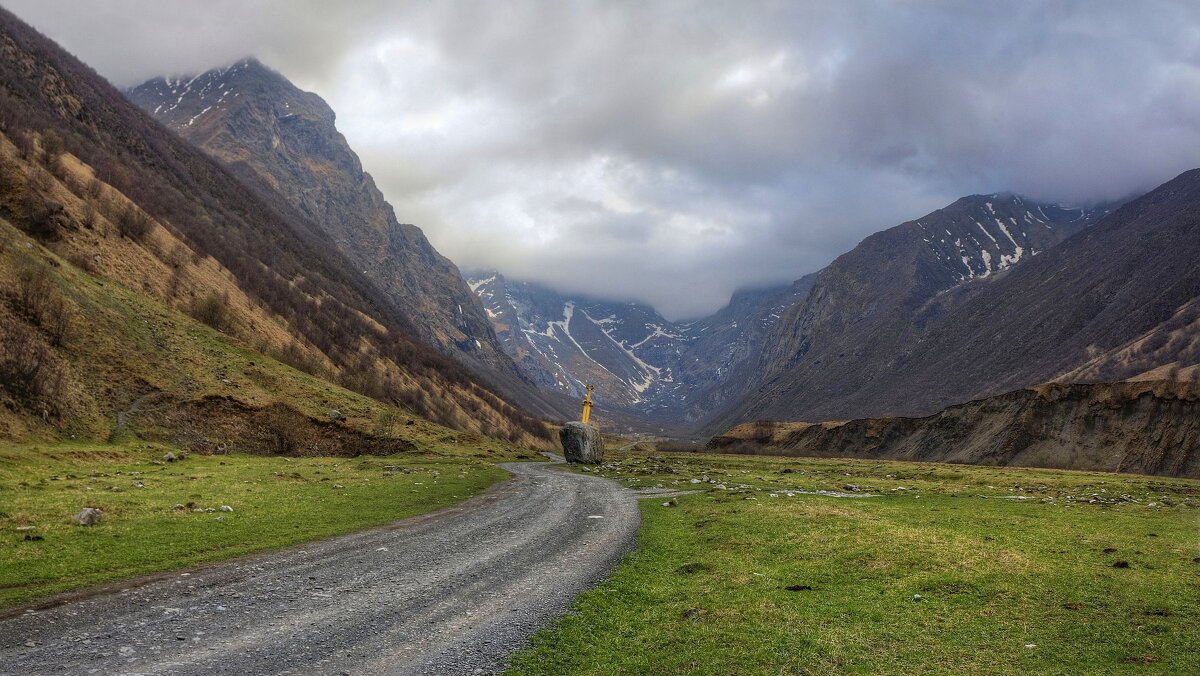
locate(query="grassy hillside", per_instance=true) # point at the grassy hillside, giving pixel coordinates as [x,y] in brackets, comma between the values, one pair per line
[943,570]
[96,182]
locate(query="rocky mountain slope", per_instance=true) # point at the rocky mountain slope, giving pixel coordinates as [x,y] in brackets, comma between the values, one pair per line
[96,196]
[873,300]
[867,311]
[1149,427]
[280,139]
[640,363]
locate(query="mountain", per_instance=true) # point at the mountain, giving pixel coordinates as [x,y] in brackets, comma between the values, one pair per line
[640,363]
[114,225]
[947,337]
[1148,427]
[281,140]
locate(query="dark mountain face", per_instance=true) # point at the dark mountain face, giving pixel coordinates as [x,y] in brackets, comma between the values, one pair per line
[280,139]
[1108,285]
[640,363]
[117,164]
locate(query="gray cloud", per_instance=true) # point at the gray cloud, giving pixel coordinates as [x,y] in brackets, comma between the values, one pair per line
[672,152]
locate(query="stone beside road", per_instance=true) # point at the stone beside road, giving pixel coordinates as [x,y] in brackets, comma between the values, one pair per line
[581,443]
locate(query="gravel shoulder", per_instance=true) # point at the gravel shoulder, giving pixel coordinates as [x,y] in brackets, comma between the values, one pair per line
[451,592]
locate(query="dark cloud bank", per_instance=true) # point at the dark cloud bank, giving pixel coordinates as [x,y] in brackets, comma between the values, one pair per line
[673,152]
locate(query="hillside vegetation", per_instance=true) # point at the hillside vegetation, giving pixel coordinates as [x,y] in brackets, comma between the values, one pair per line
[120,240]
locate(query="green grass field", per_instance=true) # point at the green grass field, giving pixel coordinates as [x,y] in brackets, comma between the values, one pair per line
[949,569]
[276,502]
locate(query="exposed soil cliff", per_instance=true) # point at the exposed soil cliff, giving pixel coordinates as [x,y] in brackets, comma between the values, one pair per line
[1147,427]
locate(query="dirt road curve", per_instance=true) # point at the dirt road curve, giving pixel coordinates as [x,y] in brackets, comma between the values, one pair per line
[449,593]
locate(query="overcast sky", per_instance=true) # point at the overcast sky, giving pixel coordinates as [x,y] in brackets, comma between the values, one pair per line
[673,152]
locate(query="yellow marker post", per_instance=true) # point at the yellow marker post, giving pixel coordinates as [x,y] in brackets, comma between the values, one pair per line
[587,405]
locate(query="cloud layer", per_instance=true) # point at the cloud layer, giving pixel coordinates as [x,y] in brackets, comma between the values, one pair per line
[673,152]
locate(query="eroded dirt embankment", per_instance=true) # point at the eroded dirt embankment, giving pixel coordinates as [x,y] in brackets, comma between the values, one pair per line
[1137,427]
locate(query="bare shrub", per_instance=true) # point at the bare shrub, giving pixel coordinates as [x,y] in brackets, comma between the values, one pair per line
[52,147]
[41,302]
[213,309]
[82,261]
[133,223]
[30,372]
[283,436]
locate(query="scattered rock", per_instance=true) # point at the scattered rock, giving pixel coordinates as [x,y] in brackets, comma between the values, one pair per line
[338,486]
[671,503]
[917,597]
[178,508]
[89,516]
[1120,564]
[1189,503]
[581,443]
[1030,646]
[853,488]
[170,457]
[798,587]
[336,415]
[226,508]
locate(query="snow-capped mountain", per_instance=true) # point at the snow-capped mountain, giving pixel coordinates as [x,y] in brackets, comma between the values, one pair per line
[638,361]
[870,301]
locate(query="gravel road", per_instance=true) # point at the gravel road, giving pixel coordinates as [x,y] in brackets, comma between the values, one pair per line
[454,592]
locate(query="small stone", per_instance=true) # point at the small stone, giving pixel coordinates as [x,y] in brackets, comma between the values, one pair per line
[917,597]
[1030,646]
[338,486]
[30,644]
[853,488]
[1167,501]
[89,516]
[336,415]
[226,508]
[671,503]
[170,457]
[178,508]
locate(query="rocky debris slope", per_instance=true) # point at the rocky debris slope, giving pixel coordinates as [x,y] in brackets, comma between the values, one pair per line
[1147,427]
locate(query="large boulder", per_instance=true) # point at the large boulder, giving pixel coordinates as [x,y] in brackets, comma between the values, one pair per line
[581,443]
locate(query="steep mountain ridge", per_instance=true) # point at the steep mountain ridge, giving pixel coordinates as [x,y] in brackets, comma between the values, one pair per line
[1102,288]
[99,184]
[283,140]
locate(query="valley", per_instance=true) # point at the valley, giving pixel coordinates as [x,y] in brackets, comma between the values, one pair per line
[252,420]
